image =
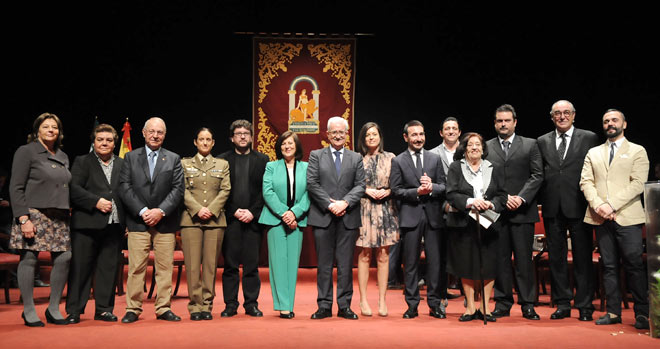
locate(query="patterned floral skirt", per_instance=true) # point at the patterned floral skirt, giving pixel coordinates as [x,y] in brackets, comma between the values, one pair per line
[380,224]
[52,234]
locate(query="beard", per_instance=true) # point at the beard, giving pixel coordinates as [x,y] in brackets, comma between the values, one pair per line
[617,132]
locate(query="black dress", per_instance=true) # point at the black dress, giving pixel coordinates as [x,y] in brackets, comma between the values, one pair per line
[462,250]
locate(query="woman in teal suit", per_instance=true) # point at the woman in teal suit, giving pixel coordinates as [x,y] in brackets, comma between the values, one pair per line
[285,195]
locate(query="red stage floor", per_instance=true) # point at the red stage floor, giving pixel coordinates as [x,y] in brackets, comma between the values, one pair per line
[271,331]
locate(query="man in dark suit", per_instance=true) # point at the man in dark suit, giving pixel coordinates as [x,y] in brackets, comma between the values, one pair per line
[417,180]
[563,206]
[96,227]
[523,169]
[335,184]
[151,189]
[242,239]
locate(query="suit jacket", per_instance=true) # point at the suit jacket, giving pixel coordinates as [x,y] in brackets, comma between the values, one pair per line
[523,173]
[445,162]
[88,185]
[620,183]
[323,184]
[561,183]
[207,185]
[404,182]
[256,175]
[459,191]
[165,191]
[275,193]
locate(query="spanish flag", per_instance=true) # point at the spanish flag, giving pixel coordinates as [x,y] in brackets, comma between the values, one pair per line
[125,140]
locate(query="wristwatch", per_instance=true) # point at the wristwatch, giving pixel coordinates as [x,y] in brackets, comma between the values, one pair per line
[21,222]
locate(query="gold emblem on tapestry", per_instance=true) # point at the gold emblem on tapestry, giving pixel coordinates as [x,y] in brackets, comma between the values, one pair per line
[273,57]
[336,58]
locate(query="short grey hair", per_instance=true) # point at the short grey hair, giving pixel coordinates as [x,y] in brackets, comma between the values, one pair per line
[562,101]
[337,119]
[154,118]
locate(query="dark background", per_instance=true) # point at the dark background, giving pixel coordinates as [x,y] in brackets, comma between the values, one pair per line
[424,60]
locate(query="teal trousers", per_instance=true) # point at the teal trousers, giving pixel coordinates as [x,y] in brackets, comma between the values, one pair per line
[283,259]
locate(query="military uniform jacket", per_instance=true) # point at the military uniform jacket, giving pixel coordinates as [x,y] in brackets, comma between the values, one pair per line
[207,185]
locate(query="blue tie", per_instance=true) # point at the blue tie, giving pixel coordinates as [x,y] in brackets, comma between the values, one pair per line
[337,162]
[152,164]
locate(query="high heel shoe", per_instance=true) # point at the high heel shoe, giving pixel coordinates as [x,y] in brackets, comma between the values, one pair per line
[365,312]
[382,312]
[32,324]
[51,320]
[289,315]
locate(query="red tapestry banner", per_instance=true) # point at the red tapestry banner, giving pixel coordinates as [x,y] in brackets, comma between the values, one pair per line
[298,85]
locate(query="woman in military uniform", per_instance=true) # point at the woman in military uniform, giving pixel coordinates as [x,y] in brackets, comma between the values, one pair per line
[203,222]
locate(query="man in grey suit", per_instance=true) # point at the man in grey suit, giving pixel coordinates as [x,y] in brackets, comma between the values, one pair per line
[523,169]
[450,133]
[335,183]
[151,188]
[417,180]
[563,206]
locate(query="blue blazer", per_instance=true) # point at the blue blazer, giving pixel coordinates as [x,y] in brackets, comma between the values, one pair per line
[274,193]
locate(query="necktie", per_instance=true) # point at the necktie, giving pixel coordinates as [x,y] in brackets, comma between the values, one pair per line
[418,163]
[152,163]
[562,148]
[338,162]
[612,146]
[505,147]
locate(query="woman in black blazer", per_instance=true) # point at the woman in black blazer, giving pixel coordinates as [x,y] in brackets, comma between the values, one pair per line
[473,184]
[96,227]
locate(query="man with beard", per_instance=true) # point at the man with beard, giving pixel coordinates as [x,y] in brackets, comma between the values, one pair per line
[523,169]
[613,179]
[417,180]
[563,206]
[335,184]
[242,239]
[450,133]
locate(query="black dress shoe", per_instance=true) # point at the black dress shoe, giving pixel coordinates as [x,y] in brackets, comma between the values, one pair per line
[641,322]
[32,324]
[129,317]
[73,318]
[168,316]
[51,320]
[530,314]
[39,283]
[585,315]
[438,312]
[196,316]
[290,315]
[321,313]
[560,314]
[490,317]
[498,313]
[206,315]
[228,312]
[106,316]
[468,317]
[347,313]
[411,313]
[254,311]
[608,320]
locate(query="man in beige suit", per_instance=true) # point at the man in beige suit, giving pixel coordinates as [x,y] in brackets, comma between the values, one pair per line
[612,181]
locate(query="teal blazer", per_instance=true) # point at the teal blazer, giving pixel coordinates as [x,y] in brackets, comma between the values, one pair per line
[274,192]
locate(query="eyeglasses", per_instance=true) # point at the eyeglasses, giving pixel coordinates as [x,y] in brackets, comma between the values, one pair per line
[337,133]
[242,134]
[558,113]
[153,132]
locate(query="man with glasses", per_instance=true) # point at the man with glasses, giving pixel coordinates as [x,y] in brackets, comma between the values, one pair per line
[563,206]
[151,188]
[242,239]
[335,184]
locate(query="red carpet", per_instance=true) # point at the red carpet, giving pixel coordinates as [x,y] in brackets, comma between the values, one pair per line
[271,331]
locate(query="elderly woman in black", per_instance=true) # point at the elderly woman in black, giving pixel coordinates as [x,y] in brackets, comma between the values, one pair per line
[473,184]
[39,192]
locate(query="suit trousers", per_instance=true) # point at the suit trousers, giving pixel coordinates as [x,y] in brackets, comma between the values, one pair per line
[581,247]
[284,248]
[412,243]
[241,245]
[201,248]
[335,242]
[94,255]
[623,242]
[517,238]
[139,243]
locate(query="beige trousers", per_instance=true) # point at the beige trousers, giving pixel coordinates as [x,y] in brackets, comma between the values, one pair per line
[139,244]
[201,248]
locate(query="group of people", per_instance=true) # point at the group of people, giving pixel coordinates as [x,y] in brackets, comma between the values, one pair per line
[468,203]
